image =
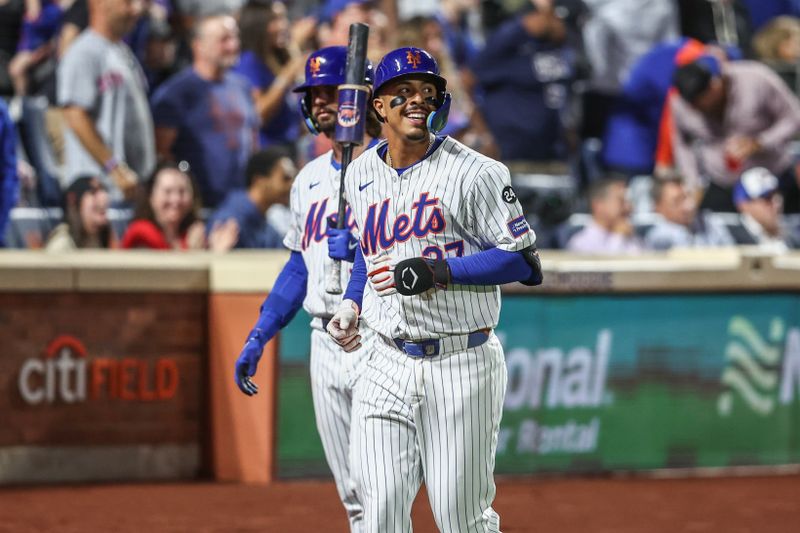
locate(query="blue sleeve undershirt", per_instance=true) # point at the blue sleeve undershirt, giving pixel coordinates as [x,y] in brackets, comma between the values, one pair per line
[490,267]
[286,297]
[358,279]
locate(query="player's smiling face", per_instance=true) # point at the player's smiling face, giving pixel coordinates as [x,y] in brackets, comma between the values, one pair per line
[405,105]
[323,107]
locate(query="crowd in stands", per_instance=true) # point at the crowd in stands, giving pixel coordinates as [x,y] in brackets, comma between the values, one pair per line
[628,125]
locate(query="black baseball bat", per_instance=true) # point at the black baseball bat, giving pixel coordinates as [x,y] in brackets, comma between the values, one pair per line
[350,125]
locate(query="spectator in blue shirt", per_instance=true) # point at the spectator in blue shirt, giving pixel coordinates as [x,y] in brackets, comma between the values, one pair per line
[524,75]
[271,60]
[270,174]
[8,169]
[454,18]
[40,27]
[205,114]
[763,11]
[631,134]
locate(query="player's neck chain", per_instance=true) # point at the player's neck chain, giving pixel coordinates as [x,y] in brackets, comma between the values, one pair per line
[431,139]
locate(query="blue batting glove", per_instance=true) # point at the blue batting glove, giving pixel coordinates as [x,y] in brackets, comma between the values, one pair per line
[247,362]
[341,244]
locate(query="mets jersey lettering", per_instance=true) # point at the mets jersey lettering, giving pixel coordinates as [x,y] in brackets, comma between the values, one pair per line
[314,198]
[378,233]
[317,221]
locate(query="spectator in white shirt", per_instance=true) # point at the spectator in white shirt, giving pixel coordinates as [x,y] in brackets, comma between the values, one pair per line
[678,222]
[610,231]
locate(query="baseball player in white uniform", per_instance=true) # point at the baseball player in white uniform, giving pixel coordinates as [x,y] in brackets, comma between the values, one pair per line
[314,243]
[440,228]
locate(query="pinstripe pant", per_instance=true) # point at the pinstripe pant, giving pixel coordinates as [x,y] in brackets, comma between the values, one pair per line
[434,419]
[332,374]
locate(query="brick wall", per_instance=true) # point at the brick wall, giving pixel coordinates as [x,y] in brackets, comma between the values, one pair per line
[137,345]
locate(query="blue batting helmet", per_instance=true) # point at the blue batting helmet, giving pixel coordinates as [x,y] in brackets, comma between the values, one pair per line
[326,66]
[415,62]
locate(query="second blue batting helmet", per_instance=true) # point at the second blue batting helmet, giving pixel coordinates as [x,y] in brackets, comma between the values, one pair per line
[326,66]
[415,62]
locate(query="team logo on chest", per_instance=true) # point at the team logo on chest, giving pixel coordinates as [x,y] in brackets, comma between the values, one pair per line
[376,234]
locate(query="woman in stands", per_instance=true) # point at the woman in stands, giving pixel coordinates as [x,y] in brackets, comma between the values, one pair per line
[167,216]
[85,222]
[272,57]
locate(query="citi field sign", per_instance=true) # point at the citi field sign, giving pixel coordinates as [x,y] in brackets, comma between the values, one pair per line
[65,373]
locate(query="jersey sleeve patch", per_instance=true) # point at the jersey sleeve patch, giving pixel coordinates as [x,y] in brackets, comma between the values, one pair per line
[519,226]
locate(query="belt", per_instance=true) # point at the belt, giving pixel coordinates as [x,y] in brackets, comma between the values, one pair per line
[319,322]
[433,347]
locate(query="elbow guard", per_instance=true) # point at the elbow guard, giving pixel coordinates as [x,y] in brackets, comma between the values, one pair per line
[531,256]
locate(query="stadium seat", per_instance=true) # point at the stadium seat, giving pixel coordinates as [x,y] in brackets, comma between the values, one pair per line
[570,227]
[29,227]
[550,197]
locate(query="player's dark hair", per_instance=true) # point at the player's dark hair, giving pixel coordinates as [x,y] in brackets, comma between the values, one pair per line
[373,127]
[263,162]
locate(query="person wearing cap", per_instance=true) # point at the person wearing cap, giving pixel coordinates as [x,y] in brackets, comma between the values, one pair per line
[86,223]
[440,228]
[314,241]
[728,118]
[759,201]
[632,131]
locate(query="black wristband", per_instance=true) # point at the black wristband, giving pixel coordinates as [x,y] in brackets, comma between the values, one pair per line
[417,275]
[441,273]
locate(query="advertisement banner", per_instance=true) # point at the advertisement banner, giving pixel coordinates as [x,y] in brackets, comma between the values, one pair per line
[622,382]
[99,386]
[600,383]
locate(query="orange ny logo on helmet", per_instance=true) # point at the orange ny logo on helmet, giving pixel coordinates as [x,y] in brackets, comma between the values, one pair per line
[413,58]
[314,65]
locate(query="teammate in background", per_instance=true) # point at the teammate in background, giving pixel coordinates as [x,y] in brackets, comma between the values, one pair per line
[440,228]
[314,200]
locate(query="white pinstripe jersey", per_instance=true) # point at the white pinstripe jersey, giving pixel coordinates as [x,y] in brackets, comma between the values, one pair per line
[453,202]
[314,197]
